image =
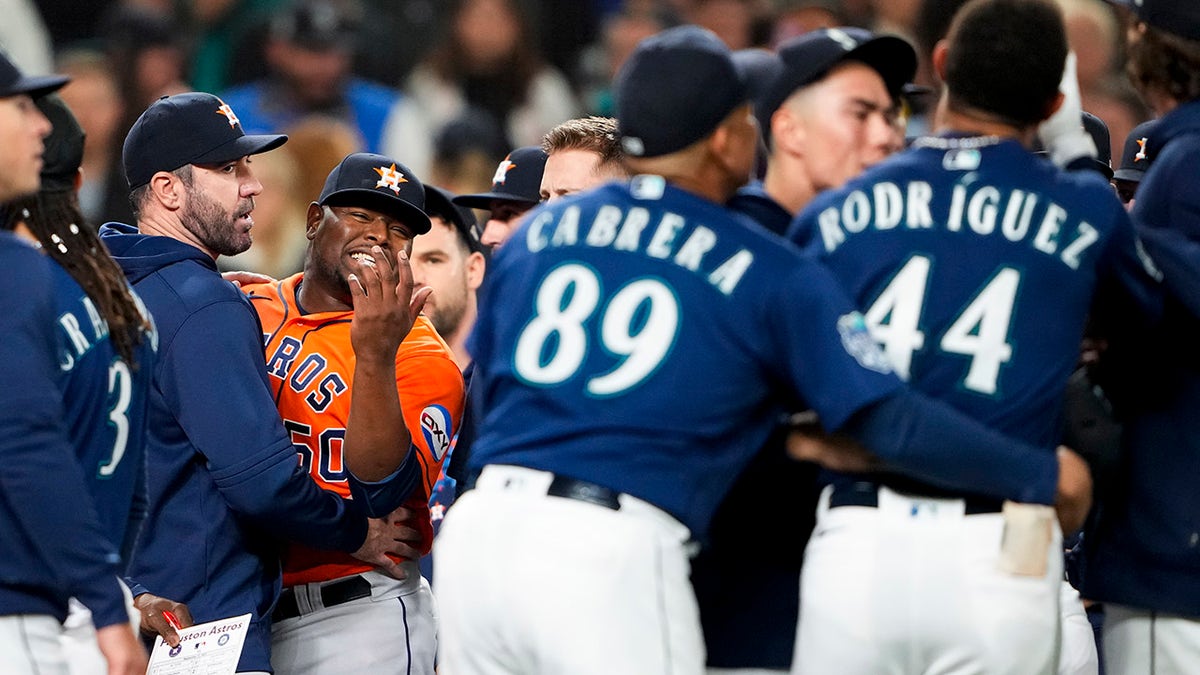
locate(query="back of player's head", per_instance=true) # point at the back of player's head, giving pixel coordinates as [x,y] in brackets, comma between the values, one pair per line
[1005,58]
[675,90]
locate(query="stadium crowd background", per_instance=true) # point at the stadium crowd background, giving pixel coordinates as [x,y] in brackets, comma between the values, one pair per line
[448,85]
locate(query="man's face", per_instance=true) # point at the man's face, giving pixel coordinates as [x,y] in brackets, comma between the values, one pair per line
[315,76]
[439,261]
[502,221]
[342,239]
[22,128]
[571,171]
[846,123]
[218,205]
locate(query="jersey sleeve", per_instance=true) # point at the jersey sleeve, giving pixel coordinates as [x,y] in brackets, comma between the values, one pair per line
[432,397]
[230,417]
[42,483]
[1167,217]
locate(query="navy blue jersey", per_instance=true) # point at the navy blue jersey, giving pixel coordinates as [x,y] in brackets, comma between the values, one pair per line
[641,338]
[52,542]
[975,263]
[104,400]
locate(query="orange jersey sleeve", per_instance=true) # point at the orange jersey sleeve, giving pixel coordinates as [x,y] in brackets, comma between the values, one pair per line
[310,367]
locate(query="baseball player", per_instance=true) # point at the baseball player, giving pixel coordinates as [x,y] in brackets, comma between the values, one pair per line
[1135,161]
[1140,555]
[960,250]
[581,154]
[106,356]
[515,189]
[826,104]
[224,483]
[344,339]
[55,544]
[632,352]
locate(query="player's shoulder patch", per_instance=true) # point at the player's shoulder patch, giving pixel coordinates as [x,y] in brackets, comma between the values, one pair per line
[436,426]
[857,341]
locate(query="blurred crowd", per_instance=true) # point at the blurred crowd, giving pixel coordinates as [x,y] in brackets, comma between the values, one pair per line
[448,85]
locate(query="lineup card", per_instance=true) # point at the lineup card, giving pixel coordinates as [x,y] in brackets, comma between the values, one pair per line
[204,649]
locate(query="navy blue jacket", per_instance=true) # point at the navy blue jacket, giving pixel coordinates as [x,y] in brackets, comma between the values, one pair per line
[1144,549]
[53,544]
[225,482]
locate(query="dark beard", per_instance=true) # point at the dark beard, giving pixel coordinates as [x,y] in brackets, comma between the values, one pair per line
[216,229]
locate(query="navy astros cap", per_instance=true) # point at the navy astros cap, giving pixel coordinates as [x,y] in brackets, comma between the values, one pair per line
[378,183]
[518,179]
[1181,17]
[439,203]
[64,146]
[191,128]
[1135,158]
[809,57]
[12,82]
[675,89]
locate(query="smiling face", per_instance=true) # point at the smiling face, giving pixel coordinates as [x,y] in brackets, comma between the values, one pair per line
[22,128]
[219,201]
[341,239]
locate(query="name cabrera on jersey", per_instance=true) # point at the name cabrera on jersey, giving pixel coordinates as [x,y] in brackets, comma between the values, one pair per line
[642,338]
[104,400]
[975,262]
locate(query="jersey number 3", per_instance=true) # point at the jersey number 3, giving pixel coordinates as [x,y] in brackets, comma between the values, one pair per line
[638,326]
[119,395]
[980,331]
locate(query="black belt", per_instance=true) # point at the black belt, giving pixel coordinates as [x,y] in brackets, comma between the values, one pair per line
[584,491]
[867,494]
[332,595]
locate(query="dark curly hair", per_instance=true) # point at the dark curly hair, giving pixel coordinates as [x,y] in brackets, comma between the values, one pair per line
[1164,63]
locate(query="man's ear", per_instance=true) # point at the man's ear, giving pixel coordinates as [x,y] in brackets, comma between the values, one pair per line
[168,189]
[939,58]
[476,266]
[316,213]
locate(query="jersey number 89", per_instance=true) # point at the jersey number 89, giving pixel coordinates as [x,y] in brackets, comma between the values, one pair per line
[638,326]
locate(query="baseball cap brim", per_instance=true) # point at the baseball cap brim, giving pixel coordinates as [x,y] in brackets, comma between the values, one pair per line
[377,201]
[242,146]
[35,86]
[1134,175]
[484,200]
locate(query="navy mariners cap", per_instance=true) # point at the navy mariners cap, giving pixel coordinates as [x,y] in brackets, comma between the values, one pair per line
[1098,130]
[12,82]
[64,146]
[379,183]
[675,89]
[439,203]
[518,179]
[191,128]
[809,57]
[1135,158]
[760,67]
[1181,17]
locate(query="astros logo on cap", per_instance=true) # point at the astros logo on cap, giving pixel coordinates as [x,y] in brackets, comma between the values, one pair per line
[228,113]
[1141,153]
[390,178]
[502,171]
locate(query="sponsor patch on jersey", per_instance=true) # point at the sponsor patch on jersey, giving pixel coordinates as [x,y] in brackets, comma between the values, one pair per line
[962,159]
[648,186]
[435,425]
[857,341]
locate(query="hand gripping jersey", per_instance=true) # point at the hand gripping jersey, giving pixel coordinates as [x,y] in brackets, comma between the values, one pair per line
[310,364]
[976,263]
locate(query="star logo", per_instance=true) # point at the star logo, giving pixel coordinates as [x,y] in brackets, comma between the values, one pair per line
[228,113]
[1141,153]
[390,178]
[502,171]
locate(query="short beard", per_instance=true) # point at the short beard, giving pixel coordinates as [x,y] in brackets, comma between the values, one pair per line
[216,228]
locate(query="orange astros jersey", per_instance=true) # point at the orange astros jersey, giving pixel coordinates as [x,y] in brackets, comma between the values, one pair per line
[310,363]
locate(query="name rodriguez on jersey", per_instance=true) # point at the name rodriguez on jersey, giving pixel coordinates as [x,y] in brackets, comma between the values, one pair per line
[1016,215]
[621,230]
